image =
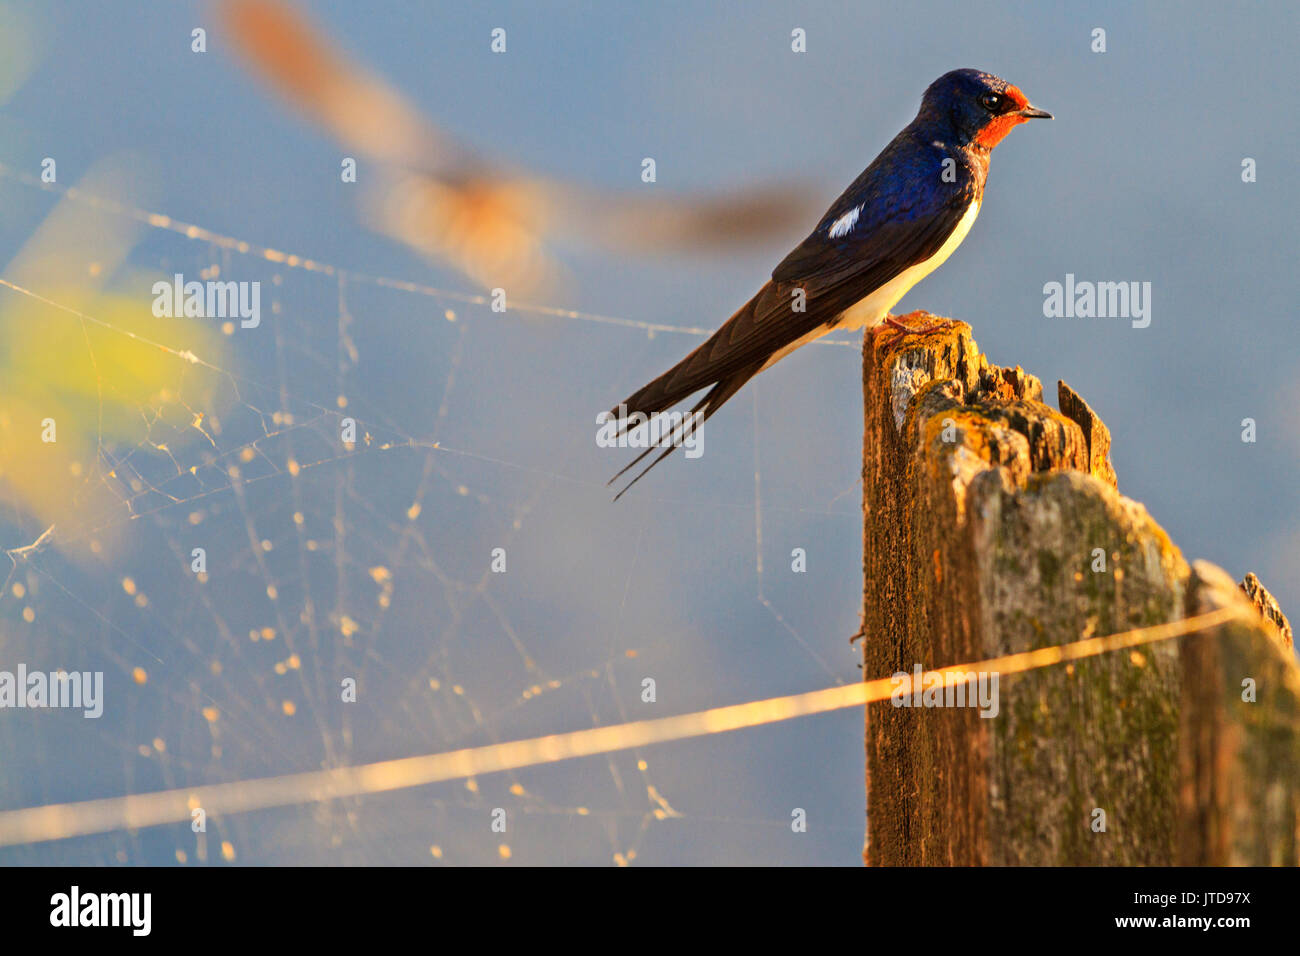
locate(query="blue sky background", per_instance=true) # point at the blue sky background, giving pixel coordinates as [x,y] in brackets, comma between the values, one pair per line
[1138,178]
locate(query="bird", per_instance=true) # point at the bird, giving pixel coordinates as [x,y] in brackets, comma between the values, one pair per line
[894,225]
[493,222]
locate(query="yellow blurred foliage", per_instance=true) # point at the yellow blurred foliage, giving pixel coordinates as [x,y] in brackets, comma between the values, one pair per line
[93,369]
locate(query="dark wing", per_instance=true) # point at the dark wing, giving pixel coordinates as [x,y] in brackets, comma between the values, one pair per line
[904,217]
[897,214]
[705,407]
[761,327]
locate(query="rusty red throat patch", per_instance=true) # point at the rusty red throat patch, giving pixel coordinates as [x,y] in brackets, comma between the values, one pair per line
[998,127]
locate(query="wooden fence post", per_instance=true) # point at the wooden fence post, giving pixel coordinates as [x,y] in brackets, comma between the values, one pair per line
[992,525]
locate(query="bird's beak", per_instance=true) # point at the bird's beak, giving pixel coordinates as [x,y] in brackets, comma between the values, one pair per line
[1032,112]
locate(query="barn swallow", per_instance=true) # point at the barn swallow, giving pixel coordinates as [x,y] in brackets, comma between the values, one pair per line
[897,222]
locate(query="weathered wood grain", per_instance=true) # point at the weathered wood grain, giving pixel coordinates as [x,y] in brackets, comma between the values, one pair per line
[992,525]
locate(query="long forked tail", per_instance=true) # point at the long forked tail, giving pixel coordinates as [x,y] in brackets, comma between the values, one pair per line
[710,403]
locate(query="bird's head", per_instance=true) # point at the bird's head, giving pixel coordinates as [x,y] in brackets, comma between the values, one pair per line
[978,108]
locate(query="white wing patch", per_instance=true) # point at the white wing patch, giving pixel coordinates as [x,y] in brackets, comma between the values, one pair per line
[844,225]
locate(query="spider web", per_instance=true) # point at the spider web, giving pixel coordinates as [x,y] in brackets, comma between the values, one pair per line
[372,561]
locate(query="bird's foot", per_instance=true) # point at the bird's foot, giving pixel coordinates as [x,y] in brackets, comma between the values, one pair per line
[896,321]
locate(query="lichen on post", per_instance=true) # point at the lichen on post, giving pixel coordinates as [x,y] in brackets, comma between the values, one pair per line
[992,525]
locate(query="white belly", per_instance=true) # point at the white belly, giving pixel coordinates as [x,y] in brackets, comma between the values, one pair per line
[871,311]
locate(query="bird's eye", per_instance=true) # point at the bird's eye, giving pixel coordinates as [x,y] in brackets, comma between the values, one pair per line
[990,101]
